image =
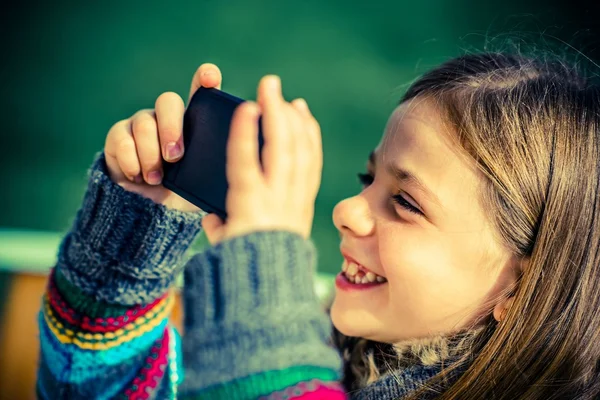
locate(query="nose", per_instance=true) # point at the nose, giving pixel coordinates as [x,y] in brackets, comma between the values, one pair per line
[353,215]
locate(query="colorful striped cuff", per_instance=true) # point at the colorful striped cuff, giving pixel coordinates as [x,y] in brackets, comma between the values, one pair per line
[310,390]
[102,333]
[265,383]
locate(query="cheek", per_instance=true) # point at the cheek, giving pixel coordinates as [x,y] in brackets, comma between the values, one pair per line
[431,277]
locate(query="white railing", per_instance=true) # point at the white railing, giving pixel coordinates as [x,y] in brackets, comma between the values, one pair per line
[34,252]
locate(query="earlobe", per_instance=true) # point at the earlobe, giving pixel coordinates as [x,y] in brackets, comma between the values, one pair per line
[502,308]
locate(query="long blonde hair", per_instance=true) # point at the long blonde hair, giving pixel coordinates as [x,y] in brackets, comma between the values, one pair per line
[531,124]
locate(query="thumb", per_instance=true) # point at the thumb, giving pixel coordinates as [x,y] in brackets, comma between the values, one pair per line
[213,227]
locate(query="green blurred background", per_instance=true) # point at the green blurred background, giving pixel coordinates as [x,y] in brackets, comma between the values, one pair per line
[72,69]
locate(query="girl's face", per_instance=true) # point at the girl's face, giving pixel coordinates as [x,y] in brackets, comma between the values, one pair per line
[430,240]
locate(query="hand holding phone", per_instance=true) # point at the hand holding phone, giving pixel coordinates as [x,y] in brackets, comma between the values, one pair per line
[260,171]
[135,147]
[200,175]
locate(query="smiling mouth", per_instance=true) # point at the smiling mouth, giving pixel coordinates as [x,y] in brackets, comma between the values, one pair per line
[356,274]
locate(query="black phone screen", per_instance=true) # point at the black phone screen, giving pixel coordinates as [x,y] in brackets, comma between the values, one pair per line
[200,175]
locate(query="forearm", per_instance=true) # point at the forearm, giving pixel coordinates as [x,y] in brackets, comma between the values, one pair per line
[254,325]
[104,318]
[124,248]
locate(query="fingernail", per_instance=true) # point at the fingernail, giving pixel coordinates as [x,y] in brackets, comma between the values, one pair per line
[209,72]
[154,177]
[174,150]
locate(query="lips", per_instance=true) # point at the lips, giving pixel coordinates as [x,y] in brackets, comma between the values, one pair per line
[351,259]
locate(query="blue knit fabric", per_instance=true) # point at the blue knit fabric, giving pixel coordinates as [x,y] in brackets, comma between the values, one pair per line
[106,381]
[398,384]
[83,364]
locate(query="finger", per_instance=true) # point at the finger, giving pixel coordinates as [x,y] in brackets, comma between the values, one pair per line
[317,141]
[145,133]
[207,75]
[312,133]
[243,164]
[312,126]
[121,147]
[301,148]
[278,143]
[297,128]
[169,110]
[298,117]
[302,107]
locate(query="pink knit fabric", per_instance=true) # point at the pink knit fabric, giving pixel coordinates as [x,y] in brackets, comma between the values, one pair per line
[311,390]
[152,373]
[103,325]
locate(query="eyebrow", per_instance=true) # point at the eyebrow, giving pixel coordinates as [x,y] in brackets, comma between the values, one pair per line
[407,177]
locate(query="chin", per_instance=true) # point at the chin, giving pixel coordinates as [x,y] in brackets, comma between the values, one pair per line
[350,321]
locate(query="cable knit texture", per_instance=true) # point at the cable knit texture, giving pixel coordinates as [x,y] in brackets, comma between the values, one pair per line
[249,297]
[124,248]
[254,327]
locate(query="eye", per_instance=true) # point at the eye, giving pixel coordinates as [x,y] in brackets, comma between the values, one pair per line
[406,205]
[367,179]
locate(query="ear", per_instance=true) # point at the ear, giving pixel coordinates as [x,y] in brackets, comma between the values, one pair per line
[504,304]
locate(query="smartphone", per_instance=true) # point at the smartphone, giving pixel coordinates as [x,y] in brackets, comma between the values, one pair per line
[200,175]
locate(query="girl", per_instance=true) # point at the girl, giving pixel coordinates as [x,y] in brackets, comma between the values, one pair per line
[471,256]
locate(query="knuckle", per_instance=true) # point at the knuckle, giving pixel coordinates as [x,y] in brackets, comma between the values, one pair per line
[150,164]
[144,124]
[165,98]
[125,146]
[131,170]
[117,126]
[120,124]
[143,112]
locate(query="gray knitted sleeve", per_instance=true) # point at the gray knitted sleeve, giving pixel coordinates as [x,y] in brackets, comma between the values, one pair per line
[251,307]
[124,248]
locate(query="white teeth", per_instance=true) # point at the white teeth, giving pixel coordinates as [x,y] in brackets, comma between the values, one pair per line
[352,269]
[370,277]
[356,276]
